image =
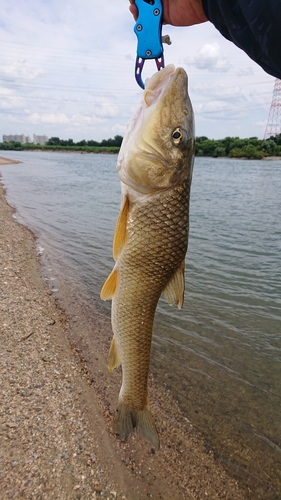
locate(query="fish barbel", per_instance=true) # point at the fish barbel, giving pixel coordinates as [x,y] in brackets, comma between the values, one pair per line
[150,242]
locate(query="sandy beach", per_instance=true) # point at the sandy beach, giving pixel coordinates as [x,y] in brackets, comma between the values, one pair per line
[56,440]
[5,161]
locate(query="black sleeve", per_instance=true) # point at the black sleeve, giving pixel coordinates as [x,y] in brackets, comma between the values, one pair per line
[253,25]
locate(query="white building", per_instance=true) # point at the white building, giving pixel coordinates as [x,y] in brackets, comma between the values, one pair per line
[23,139]
[40,139]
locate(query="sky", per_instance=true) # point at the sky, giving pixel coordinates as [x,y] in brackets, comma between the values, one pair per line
[67,70]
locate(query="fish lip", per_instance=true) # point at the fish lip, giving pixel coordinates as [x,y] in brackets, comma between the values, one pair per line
[162,75]
[159,84]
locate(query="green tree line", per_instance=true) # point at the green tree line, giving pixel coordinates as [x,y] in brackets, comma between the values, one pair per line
[116,142]
[57,144]
[232,147]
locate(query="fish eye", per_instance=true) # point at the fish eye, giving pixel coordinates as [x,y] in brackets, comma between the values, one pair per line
[178,136]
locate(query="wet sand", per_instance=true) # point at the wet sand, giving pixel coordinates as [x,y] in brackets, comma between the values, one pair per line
[56,440]
[7,161]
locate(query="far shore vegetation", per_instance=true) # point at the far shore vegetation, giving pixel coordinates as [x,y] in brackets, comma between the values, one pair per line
[231,147]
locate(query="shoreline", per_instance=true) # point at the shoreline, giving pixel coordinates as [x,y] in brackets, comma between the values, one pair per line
[8,161]
[56,438]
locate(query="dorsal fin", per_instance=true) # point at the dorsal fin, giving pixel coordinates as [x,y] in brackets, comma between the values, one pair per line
[174,291]
[109,287]
[120,230]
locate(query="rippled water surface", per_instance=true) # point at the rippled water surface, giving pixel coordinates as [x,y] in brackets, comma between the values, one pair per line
[220,355]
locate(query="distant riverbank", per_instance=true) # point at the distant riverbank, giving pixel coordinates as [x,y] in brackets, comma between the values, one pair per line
[63,149]
[229,147]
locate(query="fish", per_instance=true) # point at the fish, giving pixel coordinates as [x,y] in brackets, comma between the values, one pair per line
[154,165]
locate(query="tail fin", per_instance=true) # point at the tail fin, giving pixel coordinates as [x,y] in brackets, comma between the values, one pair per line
[126,420]
[146,427]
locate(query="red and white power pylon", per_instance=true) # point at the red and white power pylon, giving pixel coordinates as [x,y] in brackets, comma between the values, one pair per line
[273,126]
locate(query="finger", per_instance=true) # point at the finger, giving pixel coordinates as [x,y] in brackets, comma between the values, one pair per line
[133,9]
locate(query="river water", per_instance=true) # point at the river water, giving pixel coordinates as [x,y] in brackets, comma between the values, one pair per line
[221,354]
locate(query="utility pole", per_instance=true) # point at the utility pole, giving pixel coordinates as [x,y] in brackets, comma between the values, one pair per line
[273,126]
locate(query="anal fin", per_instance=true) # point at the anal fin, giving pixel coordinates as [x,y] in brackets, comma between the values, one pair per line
[109,287]
[113,360]
[120,230]
[174,291]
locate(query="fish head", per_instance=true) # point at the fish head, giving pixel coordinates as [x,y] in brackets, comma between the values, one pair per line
[158,148]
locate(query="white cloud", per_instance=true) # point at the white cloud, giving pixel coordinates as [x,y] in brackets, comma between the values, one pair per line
[76,120]
[221,90]
[261,124]
[245,71]
[20,71]
[118,129]
[212,106]
[210,56]
[49,118]
[105,108]
[10,100]
[79,120]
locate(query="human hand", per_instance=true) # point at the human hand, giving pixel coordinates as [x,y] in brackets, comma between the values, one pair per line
[178,12]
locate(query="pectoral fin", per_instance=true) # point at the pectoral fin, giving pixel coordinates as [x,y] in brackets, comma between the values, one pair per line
[108,289]
[120,230]
[174,291]
[114,359]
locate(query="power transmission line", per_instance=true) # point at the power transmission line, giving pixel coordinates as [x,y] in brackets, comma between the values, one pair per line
[273,126]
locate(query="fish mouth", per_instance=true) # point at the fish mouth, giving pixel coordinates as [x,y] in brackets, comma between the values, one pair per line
[159,83]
